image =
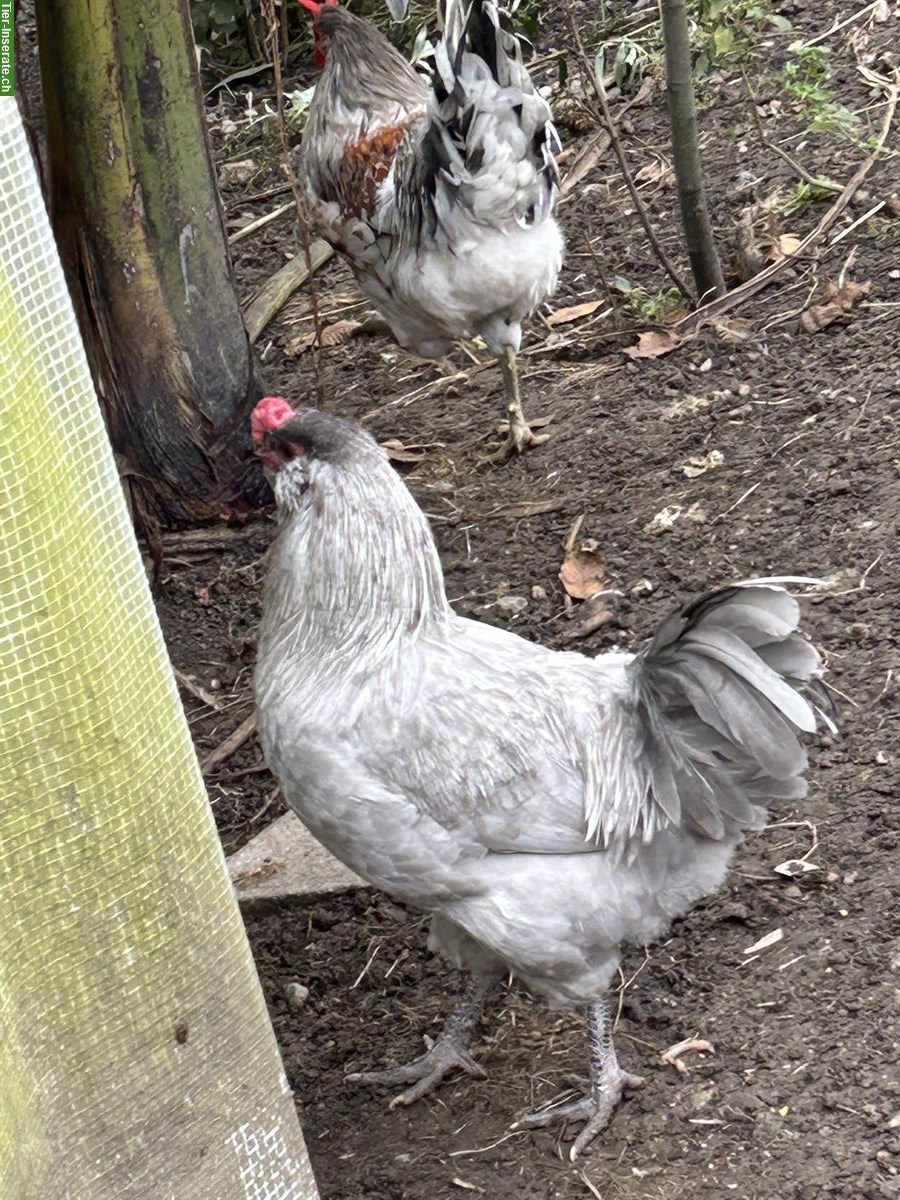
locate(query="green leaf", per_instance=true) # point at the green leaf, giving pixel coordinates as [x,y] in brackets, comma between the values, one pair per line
[723,39]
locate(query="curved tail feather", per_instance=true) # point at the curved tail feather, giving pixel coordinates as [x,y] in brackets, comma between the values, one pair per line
[717,702]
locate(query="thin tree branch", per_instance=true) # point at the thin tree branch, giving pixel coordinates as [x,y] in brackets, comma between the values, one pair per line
[604,116]
[682,106]
[273,22]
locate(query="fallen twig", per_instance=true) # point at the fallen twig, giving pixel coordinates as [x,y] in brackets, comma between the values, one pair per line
[279,289]
[260,223]
[231,745]
[825,185]
[838,25]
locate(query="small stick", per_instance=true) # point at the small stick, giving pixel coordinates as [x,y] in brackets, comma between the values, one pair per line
[838,25]
[260,222]
[278,290]
[826,185]
[604,116]
[231,745]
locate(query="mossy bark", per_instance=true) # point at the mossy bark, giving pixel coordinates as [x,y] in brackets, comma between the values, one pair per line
[137,1060]
[137,219]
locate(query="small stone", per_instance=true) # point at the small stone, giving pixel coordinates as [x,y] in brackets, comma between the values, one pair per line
[296,994]
[743,389]
[643,587]
[705,366]
[215,685]
[512,605]
[236,174]
[538,592]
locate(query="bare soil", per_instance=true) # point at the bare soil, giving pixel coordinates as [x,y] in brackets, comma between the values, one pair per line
[802,1097]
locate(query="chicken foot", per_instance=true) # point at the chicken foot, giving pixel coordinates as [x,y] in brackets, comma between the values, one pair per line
[448,1052]
[603,1090]
[520,435]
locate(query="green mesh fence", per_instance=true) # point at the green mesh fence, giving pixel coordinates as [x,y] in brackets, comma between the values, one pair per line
[136,1055]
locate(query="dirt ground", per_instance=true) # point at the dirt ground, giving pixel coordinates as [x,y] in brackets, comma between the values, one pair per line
[802,1097]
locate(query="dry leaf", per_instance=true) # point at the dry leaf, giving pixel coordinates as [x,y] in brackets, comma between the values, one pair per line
[653,343]
[831,303]
[397,452]
[658,171]
[583,572]
[332,335]
[787,243]
[770,939]
[687,406]
[733,329]
[795,866]
[666,517]
[699,464]
[563,316]
[593,614]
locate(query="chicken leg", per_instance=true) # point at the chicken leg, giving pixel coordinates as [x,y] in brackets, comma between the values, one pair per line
[603,1090]
[520,435]
[447,1053]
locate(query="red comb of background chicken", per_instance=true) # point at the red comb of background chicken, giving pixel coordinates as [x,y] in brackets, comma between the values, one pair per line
[314,6]
[271,412]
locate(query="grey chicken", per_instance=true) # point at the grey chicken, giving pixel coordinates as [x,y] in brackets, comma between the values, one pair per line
[440,198]
[543,806]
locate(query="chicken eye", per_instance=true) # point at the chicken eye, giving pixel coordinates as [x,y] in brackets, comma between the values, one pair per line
[292,450]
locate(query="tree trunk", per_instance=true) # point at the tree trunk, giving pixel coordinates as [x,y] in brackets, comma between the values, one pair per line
[686,152]
[139,227]
[136,1056]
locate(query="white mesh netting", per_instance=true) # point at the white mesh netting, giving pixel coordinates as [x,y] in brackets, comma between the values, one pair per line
[136,1056]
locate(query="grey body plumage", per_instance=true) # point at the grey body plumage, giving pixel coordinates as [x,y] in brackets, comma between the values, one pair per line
[546,807]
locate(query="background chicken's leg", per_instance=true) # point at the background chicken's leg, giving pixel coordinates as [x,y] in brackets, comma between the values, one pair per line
[447,1053]
[520,435]
[603,1090]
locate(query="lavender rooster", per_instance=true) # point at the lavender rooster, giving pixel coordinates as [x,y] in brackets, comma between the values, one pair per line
[544,807]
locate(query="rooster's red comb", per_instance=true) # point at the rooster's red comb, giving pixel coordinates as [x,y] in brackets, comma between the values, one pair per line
[271,412]
[313,5]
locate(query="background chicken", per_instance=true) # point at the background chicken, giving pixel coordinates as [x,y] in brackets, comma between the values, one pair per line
[440,198]
[543,806]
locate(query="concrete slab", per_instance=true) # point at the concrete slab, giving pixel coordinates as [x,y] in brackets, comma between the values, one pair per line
[285,860]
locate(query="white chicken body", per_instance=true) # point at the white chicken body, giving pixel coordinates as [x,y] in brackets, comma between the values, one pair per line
[441,199]
[546,807]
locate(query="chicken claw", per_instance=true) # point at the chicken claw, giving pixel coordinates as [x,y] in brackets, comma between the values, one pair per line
[595,1108]
[603,1091]
[519,438]
[448,1052]
[424,1073]
[520,435]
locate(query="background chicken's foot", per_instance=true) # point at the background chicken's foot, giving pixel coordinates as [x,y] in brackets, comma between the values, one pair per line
[520,435]
[448,1052]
